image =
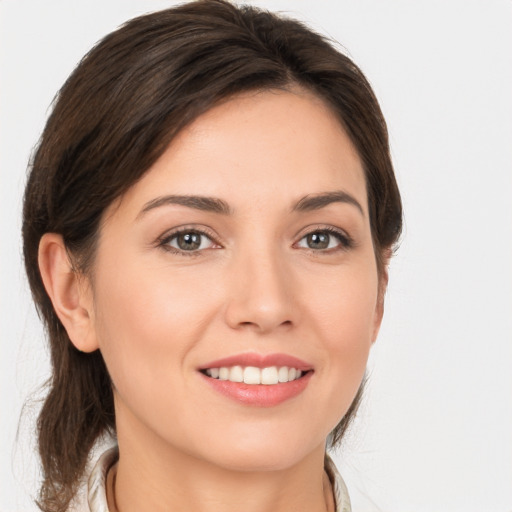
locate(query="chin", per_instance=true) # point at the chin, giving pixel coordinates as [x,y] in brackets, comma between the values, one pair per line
[263,452]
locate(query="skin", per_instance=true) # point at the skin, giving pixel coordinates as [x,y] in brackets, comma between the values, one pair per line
[158,313]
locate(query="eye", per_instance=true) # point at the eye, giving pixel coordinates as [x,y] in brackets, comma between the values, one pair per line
[324,239]
[188,240]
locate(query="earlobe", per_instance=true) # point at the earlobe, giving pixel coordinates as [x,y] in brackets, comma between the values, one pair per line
[70,295]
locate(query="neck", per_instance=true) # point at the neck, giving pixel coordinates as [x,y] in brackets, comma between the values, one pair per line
[154,476]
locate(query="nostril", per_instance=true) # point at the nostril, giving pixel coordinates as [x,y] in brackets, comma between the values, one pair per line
[264,326]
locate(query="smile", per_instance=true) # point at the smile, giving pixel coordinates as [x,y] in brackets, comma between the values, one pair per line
[252,375]
[258,380]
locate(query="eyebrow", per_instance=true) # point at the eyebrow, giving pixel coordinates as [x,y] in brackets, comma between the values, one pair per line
[207,204]
[215,205]
[318,201]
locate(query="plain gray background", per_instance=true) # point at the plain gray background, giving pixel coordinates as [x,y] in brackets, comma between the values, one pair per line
[435,431]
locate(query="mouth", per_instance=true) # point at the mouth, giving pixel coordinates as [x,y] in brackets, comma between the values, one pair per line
[259,380]
[253,375]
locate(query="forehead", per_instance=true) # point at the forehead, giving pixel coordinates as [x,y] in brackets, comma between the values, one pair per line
[260,147]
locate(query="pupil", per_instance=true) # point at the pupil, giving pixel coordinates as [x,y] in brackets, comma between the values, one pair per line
[189,241]
[318,240]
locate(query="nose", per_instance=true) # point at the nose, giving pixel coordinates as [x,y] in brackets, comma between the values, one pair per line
[261,293]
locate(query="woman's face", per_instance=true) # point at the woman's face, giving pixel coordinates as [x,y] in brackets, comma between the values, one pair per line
[247,244]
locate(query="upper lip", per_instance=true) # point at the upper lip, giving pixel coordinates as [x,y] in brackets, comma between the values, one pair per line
[259,361]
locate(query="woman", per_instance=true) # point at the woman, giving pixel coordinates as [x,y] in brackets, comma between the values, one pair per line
[207,226]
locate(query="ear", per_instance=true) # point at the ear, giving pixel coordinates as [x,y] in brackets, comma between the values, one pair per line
[383,284]
[69,292]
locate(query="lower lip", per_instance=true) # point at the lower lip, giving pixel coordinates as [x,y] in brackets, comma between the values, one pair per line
[259,395]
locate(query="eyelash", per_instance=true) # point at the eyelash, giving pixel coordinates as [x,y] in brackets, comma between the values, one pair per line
[345,241]
[165,240]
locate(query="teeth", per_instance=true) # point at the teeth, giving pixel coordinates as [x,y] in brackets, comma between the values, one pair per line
[269,375]
[236,374]
[283,374]
[253,375]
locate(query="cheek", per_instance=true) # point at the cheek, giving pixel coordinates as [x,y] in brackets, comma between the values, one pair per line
[345,306]
[134,297]
[344,320]
[147,322]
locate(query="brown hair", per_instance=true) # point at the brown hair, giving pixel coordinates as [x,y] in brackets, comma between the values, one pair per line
[114,116]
